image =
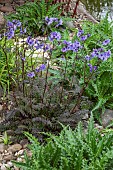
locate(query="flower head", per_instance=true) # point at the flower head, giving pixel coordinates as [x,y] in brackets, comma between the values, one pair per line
[69,46]
[106,42]
[51,20]
[80,32]
[31,74]
[41,68]
[92,68]
[88,58]
[105,55]
[55,35]
[30,41]
[83,38]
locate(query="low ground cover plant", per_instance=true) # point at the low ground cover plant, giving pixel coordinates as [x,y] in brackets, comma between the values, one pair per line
[71,149]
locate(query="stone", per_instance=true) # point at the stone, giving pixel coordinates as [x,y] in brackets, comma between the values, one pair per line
[2,22]
[10,132]
[19,159]
[24,143]
[14,148]
[6,9]
[1,107]
[2,147]
[107,117]
[10,164]
[8,157]
[4,167]
[1,158]
[16,168]
[20,152]
[5,1]
[70,24]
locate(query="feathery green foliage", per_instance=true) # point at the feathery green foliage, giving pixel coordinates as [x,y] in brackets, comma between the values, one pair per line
[72,149]
[32,15]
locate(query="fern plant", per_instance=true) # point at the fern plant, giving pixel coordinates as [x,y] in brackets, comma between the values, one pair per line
[32,15]
[71,150]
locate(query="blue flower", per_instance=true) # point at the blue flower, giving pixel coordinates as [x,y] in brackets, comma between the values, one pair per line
[9,24]
[22,31]
[83,38]
[105,55]
[80,32]
[47,47]
[23,59]
[51,20]
[69,46]
[30,41]
[64,49]
[88,58]
[10,34]
[92,68]
[106,42]
[55,35]
[60,22]
[31,74]
[41,68]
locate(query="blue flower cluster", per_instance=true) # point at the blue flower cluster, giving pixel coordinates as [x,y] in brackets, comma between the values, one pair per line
[51,20]
[55,35]
[38,69]
[81,36]
[69,46]
[100,54]
[12,27]
[37,44]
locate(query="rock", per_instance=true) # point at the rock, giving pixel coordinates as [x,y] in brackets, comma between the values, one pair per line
[6,9]
[16,168]
[1,158]
[10,164]
[2,147]
[70,24]
[15,148]
[19,159]
[10,132]
[24,143]
[81,10]
[5,1]
[20,152]
[8,157]
[1,107]
[5,167]
[107,117]
[2,22]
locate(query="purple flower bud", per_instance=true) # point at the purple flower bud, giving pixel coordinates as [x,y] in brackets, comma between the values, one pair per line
[92,68]
[23,59]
